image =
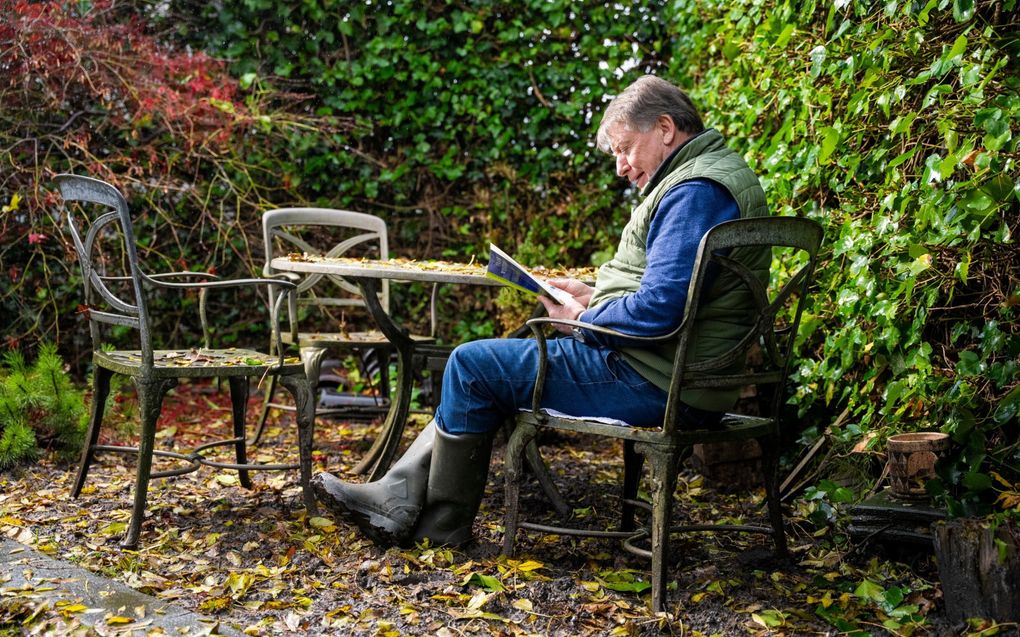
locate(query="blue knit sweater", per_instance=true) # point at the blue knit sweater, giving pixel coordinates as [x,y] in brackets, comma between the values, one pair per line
[684,215]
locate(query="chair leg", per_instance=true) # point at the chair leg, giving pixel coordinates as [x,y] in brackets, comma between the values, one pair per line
[100,392]
[632,465]
[770,460]
[267,400]
[300,388]
[541,471]
[663,481]
[520,439]
[150,402]
[239,388]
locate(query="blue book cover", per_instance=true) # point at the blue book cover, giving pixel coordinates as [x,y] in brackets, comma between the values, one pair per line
[504,269]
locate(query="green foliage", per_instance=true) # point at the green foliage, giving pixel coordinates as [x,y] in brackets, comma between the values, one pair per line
[895,126]
[39,406]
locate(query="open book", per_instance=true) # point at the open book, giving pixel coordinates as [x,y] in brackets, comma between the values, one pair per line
[508,272]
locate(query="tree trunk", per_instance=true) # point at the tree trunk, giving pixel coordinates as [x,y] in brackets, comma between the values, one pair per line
[980,570]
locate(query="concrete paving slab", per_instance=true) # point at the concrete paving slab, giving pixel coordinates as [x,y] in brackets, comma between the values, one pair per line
[110,607]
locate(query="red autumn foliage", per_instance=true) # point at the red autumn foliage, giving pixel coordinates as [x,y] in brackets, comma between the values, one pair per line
[94,78]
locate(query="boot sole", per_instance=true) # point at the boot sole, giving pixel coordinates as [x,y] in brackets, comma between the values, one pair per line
[375,527]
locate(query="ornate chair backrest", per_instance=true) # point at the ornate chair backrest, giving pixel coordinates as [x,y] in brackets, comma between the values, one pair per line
[287,230]
[740,251]
[92,237]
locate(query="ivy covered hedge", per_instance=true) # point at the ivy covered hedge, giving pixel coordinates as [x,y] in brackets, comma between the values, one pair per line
[895,125]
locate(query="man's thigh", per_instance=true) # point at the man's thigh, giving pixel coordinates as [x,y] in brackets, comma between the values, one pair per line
[489,380]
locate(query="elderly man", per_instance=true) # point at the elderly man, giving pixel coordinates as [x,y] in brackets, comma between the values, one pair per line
[690,181]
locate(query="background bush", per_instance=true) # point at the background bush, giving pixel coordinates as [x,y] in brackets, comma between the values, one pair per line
[893,124]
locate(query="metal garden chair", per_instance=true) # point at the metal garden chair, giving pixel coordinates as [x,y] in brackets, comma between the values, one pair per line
[743,249]
[326,298]
[117,293]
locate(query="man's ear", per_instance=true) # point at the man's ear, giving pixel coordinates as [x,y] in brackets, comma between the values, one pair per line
[668,129]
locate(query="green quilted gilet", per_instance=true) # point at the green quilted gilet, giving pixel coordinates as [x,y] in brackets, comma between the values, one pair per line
[725,311]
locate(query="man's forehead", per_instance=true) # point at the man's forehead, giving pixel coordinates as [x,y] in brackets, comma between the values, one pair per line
[619,131]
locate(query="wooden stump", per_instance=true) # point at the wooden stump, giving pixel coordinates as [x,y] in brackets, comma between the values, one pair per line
[980,570]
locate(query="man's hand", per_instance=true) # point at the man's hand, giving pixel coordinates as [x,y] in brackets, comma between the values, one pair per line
[581,294]
[580,291]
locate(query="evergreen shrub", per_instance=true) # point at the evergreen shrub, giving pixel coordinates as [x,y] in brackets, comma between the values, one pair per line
[40,408]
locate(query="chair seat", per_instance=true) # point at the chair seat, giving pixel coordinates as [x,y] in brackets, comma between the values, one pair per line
[731,427]
[197,363]
[371,338]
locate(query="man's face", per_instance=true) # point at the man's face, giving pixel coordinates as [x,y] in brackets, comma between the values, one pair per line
[639,154]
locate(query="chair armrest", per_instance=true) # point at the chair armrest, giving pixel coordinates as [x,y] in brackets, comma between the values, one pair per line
[165,275]
[197,275]
[228,283]
[293,277]
[598,329]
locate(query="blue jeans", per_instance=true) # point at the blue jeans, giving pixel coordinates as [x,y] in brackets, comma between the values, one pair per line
[490,380]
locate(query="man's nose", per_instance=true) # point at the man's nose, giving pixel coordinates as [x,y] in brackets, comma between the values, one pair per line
[622,167]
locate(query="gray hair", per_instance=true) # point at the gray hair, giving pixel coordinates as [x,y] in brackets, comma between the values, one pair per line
[641,104]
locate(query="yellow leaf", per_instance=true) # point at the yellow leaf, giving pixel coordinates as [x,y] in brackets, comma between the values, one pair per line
[522,604]
[1004,482]
[167,433]
[322,523]
[530,565]
[118,619]
[478,600]
[697,597]
[11,207]
[591,587]
[74,608]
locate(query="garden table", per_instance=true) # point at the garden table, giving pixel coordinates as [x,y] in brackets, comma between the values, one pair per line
[367,274]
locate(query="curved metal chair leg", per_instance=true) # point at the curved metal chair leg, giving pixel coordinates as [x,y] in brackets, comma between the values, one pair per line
[267,401]
[101,391]
[150,401]
[541,470]
[300,389]
[522,437]
[239,389]
[770,460]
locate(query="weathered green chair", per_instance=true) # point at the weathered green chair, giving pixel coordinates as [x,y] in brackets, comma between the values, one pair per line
[741,249]
[327,299]
[116,291]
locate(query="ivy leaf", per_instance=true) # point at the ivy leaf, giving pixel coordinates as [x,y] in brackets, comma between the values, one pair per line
[871,591]
[963,10]
[625,581]
[829,141]
[486,582]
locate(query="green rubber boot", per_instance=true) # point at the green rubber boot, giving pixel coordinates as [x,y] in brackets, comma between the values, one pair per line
[386,510]
[460,468]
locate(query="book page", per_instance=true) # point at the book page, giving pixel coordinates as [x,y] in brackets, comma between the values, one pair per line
[504,269]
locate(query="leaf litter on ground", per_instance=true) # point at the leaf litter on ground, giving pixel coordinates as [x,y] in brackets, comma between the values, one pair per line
[257,562]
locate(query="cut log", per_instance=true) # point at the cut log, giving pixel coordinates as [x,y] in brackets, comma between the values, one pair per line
[980,569]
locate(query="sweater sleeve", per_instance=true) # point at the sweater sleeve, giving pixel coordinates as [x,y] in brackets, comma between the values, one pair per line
[686,212]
